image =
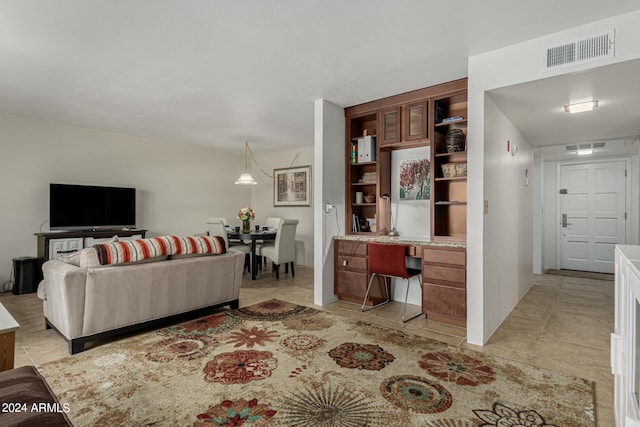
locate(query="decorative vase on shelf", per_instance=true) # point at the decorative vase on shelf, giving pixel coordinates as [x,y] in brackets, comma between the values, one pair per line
[246,226]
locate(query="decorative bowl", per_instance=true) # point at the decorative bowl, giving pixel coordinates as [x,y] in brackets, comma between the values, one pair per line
[369,198]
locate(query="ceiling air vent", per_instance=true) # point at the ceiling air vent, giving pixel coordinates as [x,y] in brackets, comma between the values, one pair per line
[584,146]
[588,49]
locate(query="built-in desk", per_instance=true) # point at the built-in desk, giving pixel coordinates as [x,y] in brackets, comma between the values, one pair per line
[444,293]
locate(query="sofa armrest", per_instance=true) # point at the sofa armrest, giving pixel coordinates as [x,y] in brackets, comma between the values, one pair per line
[64,296]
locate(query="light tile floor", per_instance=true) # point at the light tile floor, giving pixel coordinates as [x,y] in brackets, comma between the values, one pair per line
[562,324]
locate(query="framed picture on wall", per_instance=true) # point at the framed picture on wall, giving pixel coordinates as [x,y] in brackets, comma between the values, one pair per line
[292,186]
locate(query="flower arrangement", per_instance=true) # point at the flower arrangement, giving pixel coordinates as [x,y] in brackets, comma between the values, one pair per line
[246,214]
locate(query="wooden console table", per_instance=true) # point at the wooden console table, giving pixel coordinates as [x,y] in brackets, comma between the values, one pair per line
[8,327]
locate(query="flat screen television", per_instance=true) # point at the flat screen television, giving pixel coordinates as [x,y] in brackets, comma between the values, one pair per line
[88,207]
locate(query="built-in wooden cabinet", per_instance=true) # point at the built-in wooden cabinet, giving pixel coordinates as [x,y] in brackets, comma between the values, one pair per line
[415,121]
[390,125]
[444,289]
[404,123]
[371,178]
[449,168]
[351,276]
[419,118]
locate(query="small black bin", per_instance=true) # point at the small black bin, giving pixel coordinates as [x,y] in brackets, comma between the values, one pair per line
[28,274]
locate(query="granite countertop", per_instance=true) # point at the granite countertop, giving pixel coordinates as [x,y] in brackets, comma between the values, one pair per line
[407,240]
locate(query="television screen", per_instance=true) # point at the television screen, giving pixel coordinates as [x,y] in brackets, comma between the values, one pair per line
[89,207]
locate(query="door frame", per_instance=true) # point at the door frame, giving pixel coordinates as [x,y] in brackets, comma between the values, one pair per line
[627,202]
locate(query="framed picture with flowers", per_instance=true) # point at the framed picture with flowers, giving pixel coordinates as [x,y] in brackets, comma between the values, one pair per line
[292,186]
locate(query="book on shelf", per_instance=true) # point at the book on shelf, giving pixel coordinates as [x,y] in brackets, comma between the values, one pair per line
[357,224]
[452,119]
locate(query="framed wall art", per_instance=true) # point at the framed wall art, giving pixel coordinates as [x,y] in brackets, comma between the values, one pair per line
[292,186]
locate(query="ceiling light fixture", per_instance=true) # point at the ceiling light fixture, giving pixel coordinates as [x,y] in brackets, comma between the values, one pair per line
[246,178]
[581,107]
[585,151]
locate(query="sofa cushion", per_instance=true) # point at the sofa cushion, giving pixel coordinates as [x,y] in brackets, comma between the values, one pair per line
[141,249]
[73,259]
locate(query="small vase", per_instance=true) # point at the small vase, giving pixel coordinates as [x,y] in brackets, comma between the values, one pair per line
[246,226]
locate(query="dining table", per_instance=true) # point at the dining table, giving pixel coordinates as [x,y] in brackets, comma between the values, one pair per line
[254,237]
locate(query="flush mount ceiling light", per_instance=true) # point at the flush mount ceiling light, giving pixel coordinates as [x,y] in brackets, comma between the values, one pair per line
[585,151]
[246,178]
[581,107]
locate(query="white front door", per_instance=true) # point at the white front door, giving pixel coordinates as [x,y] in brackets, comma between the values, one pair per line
[592,214]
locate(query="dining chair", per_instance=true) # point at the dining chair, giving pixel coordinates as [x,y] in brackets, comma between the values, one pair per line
[222,219]
[272,223]
[215,227]
[388,260]
[283,250]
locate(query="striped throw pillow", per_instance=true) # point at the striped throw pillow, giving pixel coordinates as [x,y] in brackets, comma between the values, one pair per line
[138,250]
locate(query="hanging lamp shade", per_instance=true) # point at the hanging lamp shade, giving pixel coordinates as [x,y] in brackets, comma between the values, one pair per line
[246,178]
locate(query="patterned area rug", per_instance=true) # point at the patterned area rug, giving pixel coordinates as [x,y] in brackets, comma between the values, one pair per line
[281,364]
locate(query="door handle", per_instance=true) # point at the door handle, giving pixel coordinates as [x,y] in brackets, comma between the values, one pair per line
[564,220]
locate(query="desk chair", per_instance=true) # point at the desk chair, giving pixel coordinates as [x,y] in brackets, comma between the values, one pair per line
[388,260]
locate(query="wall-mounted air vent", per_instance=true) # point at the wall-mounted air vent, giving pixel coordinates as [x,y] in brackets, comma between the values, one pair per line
[587,49]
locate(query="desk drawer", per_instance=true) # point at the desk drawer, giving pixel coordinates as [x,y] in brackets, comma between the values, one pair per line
[442,256]
[358,264]
[436,273]
[352,248]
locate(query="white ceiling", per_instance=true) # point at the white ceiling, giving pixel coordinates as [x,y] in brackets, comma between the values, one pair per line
[537,110]
[216,72]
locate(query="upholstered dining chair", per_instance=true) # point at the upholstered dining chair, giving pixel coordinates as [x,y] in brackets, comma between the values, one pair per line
[272,223]
[283,250]
[387,260]
[215,227]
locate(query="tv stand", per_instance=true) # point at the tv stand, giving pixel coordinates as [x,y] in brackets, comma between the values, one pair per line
[54,244]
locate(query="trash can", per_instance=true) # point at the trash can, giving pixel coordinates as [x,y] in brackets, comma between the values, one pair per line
[28,274]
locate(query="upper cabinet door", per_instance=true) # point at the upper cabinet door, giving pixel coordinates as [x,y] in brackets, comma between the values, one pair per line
[390,118]
[415,121]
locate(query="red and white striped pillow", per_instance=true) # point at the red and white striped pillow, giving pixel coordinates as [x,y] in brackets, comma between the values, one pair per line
[142,249]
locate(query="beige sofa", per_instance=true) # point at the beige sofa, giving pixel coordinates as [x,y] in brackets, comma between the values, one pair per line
[87,303]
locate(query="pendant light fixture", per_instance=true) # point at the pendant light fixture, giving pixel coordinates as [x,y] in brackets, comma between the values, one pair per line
[246,178]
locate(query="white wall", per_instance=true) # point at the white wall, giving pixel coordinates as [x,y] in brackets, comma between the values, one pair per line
[508,254]
[329,177]
[178,186]
[262,198]
[515,64]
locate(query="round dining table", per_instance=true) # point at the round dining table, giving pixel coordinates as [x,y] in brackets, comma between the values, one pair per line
[254,237]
